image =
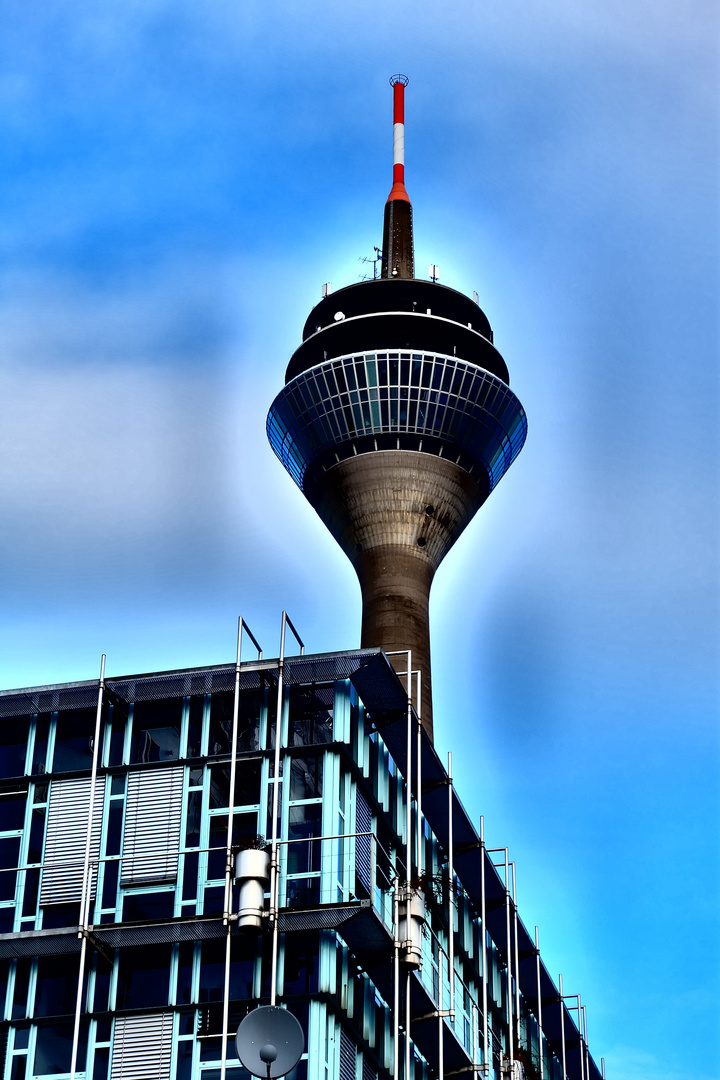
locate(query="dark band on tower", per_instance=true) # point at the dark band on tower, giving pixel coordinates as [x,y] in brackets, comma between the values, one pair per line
[397,421]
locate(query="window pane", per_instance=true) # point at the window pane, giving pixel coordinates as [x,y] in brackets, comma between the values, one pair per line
[56,986]
[156,730]
[9,854]
[306,777]
[143,980]
[53,1049]
[74,740]
[311,714]
[13,745]
[12,811]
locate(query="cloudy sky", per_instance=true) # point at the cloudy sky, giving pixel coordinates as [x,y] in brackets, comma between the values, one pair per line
[177,182]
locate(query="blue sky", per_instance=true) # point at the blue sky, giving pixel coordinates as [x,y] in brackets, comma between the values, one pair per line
[177,181]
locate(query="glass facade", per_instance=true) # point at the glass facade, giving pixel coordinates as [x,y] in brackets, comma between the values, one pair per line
[437,397]
[159,925]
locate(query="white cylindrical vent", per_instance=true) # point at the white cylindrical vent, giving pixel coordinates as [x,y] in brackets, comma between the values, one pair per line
[252,871]
[412,920]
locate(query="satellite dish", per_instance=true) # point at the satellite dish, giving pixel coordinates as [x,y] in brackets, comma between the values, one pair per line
[269,1042]
[339,316]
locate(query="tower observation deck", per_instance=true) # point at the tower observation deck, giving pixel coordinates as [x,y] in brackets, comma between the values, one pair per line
[397,421]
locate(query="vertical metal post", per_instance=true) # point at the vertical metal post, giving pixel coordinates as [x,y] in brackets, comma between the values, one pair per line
[602,1066]
[407,1024]
[420,853]
[517,962]
[580,1029]
[441,1048]
[486,1064]
[396,998]
[587,1052]
[562,1028]
[475,1040]
[274,868]
[228,852]
[509,963]
[233,766]
[539,1015]
[408,788]
[451,884]
[86,893]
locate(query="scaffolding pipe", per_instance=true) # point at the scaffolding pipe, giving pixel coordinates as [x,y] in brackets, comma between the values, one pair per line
[602,1066]
[508,958]
[86,894]
[274,869]
[228,851]
[420,859]
[407,1027]
[517,962]
[475,1040]
[486,1064]
[539,1015]
[408,786]
[587,1052]
[451,883]
[580,1029]
[562,1028]
[441,1048]
[396,999]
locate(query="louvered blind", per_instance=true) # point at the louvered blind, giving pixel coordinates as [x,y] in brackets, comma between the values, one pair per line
[153,811]
[348,1057]
[369,1072]
[363,844]
[142,1047]
[66,838]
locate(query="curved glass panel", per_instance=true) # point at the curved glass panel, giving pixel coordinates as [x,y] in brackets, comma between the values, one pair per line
[395,392]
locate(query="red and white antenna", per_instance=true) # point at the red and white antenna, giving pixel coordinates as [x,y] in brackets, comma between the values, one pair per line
[398,83]
[397,255]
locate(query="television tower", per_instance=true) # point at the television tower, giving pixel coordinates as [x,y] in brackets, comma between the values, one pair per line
[397,421]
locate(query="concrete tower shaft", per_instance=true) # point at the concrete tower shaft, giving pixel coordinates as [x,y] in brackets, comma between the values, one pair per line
[396,514]
[397,421]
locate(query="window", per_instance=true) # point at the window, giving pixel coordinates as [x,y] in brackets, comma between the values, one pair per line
[13,745]
[66,838]
[156,730]
[74,738]
[152,826]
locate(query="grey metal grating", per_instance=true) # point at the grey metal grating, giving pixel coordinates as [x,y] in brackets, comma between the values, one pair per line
[48,699]
[363,844]
[142,1047]
[122,937]
[174,684]
[324,918]
[348,1057]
